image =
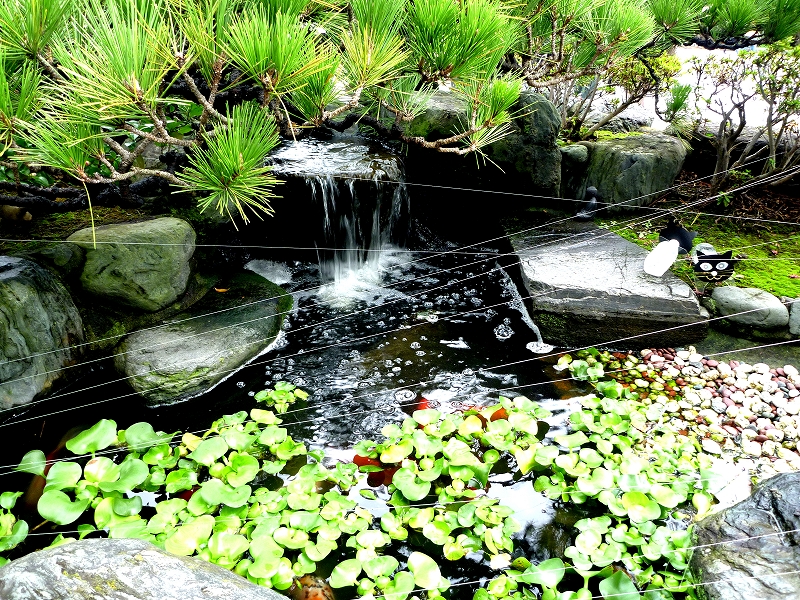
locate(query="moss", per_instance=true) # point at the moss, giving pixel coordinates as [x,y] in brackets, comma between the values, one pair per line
[773,252]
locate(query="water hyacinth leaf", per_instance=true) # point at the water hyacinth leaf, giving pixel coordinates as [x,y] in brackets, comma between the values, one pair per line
[181,479]
[666,496]
[56,506]
[426,416]
[272,436]
[13,536]
[288,448]
[305,520]
[63,475]
[571,441]
[610,388]
[411,486]
[265,567]
[460,454]
[162,455]
[126,507]
[372,538]
[245,468]
[317,552]
[264,417]
[98,437]
[141,436]
[294,539]
[548,573]
[238,440]
[34,462]
[640,507]
[132,473]
[620,587]
[400,587]
[426,572]
[9,499]
[101,468]
[368,494]
[345,573]
[84,529]
[426,445]
[587,541]
[208,451]
[381,566]
[437,532]
[227,545]
[216,492]
[472,425]
[397,452]
[188,538]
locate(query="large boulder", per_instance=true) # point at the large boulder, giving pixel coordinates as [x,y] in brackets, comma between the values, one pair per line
[206,344]
[629,171]
[751,307]
[120,569]
[528,156]
[141,265]
[794,317]
[39,329]
[587,287]
[762,565]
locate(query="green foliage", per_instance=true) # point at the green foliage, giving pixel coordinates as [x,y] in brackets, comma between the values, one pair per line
[230,170]
[733,18]
[676,20]
[453,40]
[28,26]
[782,20]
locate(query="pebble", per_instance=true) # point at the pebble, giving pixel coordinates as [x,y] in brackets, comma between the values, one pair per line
[748,414]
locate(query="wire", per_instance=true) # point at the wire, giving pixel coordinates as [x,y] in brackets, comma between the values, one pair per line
[319,287]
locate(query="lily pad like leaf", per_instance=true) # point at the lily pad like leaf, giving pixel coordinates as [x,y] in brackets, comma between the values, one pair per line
[426,572]
[411,486]
[381,566]
[132,473]
[186,539]
[216,492]
[209,451]
[547,573]
[345,573]
[63,475]
[619,586]
[33,462]
[56,506]
[98,437]
[141,436]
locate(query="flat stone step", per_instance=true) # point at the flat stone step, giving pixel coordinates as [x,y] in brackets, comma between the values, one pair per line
[588,288]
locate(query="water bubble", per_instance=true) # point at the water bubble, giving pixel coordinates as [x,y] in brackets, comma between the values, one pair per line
[387,363]
[251,393]
[408,362]
[491,314]
[507,321]
[503,332]
[476,301]
[404,395]
[455,296]
[415,345]
[420,353]
[381,324]
[423,337]
[468,372]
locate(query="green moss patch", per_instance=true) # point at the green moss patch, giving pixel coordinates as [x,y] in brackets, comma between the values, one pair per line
[772,252]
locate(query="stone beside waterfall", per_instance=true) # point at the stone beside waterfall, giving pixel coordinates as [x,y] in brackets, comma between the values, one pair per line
[588,288]
[39,328]
[206,344]
[143,265]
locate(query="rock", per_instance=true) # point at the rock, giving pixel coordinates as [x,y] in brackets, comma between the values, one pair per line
[39,327]
[206,344]
[141,265]
[574,159]
[632,118]
[765,310]
[589,288]
[117,569]
[752,570]
[528,154]
[530,151]
[632,169]
[794,317]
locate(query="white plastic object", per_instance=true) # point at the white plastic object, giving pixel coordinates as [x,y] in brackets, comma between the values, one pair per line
[661,258]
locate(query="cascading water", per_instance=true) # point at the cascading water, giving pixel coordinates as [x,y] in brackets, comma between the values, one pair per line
[356,192]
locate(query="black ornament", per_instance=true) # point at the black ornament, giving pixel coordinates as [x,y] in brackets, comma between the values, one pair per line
[588,207]
[674,231]
[712,266]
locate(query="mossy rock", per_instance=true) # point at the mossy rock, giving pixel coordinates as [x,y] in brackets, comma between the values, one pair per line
[200,347]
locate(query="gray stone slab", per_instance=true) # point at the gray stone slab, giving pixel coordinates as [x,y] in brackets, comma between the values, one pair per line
[751,306]
[102,569]
[588,287]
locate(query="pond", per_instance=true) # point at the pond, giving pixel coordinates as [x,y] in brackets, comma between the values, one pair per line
[377,332]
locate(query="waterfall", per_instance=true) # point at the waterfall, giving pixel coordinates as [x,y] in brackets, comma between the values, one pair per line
[351,199]
[360,220]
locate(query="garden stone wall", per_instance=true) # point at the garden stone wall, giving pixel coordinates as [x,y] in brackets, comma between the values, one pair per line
[117,569]
[39,327]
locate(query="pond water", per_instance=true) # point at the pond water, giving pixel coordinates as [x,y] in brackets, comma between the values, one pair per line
[376,332]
